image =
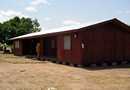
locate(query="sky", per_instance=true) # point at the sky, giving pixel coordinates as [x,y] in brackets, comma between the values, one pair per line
[61,13]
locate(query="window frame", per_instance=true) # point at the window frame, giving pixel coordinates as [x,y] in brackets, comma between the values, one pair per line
[64,42]
[17,44]
[53,44]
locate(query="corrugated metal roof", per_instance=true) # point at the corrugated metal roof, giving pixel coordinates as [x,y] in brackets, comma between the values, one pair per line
[69,28]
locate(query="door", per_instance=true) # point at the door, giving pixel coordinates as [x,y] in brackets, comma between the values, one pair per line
[53,46]
[67,48]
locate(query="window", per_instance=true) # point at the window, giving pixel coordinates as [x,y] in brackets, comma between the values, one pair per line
[67,42]
[16,44]
[52,43]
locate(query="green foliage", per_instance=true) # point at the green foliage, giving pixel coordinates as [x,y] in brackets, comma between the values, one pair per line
[21,31]
[10,46]
[16,27]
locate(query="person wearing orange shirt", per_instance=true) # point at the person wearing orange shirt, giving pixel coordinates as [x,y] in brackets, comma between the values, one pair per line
[38,49]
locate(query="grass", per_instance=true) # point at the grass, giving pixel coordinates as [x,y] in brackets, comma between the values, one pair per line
[7,55]
[2,61]
[17,59]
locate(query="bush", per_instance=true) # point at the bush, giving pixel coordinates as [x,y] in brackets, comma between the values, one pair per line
[10,46]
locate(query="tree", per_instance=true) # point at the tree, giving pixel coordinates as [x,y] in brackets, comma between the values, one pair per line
[35,26]
[0,32]
[21,31]
[16,27]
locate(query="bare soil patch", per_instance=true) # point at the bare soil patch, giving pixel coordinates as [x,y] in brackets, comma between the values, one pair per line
[35,76]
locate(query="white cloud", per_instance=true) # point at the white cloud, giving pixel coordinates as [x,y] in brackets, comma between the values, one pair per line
[10,14]
[47,18]
[128,11]
[43,29]
[36,2]
[31,9]
[119,11]
[70,22]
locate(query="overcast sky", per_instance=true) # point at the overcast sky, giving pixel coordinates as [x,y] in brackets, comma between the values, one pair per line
[60,13]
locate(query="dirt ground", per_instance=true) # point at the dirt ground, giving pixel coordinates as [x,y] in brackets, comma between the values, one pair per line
[19,73]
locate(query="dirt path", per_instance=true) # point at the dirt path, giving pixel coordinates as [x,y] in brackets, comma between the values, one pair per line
[62,77]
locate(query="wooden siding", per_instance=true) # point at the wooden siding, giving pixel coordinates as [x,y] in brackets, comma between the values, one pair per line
[118,46]
[75,49]
[60,48]
[72,55]
[18,51]
[20,47]
[46,46]
[109,46]
[41,46]
[127,46]
[104,44]
[88,51]
[98,47]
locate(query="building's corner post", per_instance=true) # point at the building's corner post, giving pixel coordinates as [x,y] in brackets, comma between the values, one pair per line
[14,46]
[41,46]
[30,47]
[21,47]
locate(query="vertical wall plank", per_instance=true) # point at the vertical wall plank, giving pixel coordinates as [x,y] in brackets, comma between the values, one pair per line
[41,47]
[60,48]
[75,49]
[21,48]
[118,46]
[127,46]
[80,47]
[109,46]
[99,56]
[88,50]
[30,47]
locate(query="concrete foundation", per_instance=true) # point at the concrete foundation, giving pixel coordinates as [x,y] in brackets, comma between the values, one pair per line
[93,65]
[57,62]
[71,64]
[64,63]
[80,66]
[123,63]
[104,64]
[114,63]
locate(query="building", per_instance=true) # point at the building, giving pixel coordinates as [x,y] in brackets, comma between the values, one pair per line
[93,43]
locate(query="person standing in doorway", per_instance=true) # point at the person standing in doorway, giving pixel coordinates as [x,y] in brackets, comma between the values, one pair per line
[4,48]
[38,49]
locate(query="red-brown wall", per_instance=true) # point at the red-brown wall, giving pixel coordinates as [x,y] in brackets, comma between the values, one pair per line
[72,55]
[106,43]
[102,44]
[60,48]
[18,51]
